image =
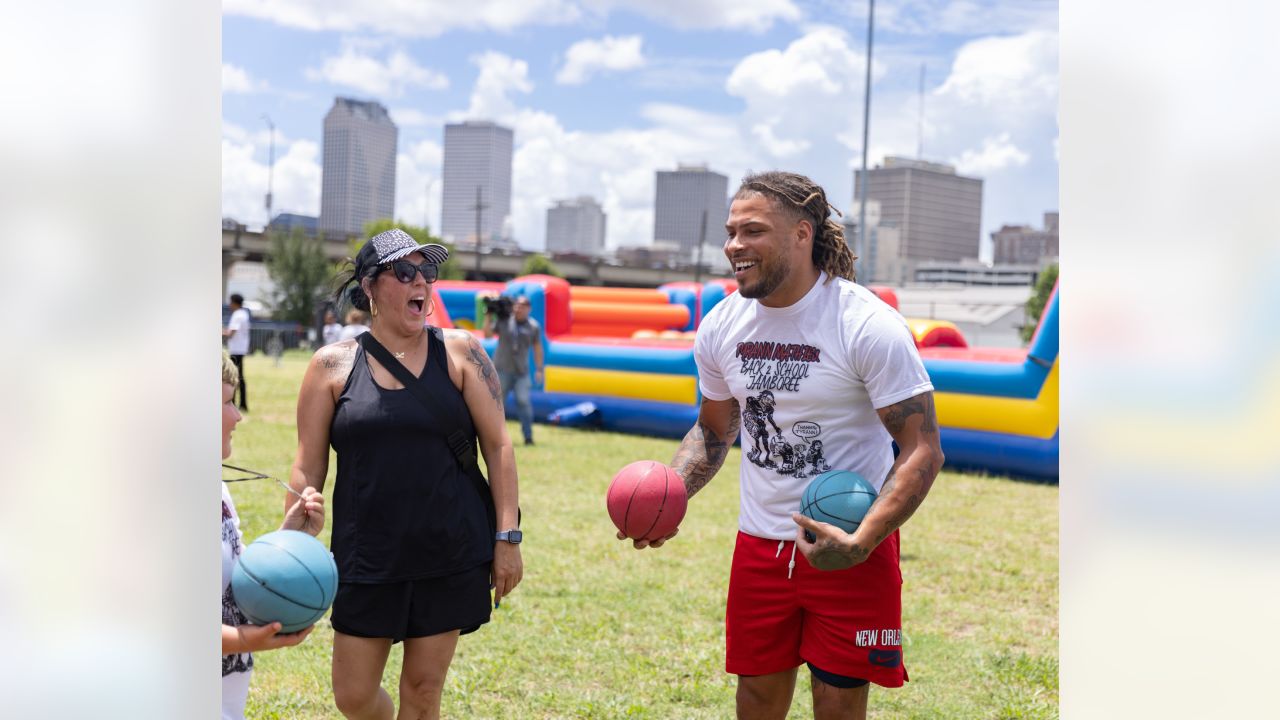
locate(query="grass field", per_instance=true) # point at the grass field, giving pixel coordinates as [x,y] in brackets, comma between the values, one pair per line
[598,630]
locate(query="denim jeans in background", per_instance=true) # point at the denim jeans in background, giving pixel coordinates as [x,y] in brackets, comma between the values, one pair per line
[522,384]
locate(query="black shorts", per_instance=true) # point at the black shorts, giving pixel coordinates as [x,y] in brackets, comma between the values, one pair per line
[414,608]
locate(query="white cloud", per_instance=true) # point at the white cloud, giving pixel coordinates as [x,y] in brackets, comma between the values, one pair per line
[409,117]
[616,167]
[295,180]
[424,18]
[751,15]
[418,184]
[778,147]
[236,79]
[811,92]
[1015,73]
[357,68]
[996,153]
[430,18]
[500,76]
[587,57]
[820,63]
[946,17]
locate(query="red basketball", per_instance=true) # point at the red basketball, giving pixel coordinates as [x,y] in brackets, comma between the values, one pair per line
[647,500]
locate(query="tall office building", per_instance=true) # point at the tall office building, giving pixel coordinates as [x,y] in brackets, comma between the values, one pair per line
[477,154]
[358,177]
[1020,244]
[682,196]
[576,226]
[938,213]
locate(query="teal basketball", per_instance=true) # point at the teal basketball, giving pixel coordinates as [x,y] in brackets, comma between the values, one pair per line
[287,577]
[838,497]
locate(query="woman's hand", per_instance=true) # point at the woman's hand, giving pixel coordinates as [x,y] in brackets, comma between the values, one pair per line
[307,514]
[508,569]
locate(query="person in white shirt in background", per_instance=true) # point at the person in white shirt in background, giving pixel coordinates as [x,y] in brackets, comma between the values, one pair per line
[237,335]
[357,322]
[332,328]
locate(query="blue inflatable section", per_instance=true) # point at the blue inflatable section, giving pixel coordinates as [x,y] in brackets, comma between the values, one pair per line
[461,304]
[635,359]
[712,293]
[687,298]
[1012,380]
[1002,454]
[1044,348]
[625,415]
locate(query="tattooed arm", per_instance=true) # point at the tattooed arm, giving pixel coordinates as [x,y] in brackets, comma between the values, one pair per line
[317,400]
[914,426]
[703,451]
[482,392]
[707,443]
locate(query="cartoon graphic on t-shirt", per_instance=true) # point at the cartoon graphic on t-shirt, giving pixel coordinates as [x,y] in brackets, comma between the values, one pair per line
[759,411]
[779,446]
[816,458]
[779,367]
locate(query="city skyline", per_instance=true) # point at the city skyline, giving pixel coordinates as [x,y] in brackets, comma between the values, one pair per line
[602,96]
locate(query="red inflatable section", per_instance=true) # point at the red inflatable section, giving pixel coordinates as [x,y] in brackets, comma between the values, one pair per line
[496,287]
[980,354]
[617,295]
[942,336]
[730,286]
[556,292]
[439,314]
[886,294]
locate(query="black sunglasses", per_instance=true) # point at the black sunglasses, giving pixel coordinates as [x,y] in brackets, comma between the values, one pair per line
[405,270]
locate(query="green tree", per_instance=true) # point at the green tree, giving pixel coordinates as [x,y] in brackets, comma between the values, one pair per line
[1035,304]
[298,268]
[448,271]
[539,264]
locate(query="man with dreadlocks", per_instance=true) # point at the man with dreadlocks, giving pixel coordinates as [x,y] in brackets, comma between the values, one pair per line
[843,371]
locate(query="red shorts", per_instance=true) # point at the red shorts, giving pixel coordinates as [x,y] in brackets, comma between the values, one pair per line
[847,622]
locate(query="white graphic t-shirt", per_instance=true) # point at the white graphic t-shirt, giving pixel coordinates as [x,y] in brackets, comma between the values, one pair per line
[808,379]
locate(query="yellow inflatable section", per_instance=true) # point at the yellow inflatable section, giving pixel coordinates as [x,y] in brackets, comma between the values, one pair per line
[1015,416]
[622,383]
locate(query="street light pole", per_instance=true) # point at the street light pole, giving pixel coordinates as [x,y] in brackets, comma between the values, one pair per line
[866,127]
[271,164]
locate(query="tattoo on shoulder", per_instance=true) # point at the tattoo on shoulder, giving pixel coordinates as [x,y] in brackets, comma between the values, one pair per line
[484,368]
[895,419]
[337,359]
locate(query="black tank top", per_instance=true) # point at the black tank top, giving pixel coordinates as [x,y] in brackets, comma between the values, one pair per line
[403,509]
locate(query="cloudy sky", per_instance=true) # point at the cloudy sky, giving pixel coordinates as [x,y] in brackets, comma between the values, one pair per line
[602,93]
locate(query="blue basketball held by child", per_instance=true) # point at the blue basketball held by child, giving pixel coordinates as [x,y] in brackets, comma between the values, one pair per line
[287,577]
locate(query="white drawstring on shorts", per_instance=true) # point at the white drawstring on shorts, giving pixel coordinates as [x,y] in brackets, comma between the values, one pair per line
[791,565]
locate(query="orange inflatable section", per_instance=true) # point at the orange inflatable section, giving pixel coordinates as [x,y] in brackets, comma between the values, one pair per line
[673,317]
[617,295]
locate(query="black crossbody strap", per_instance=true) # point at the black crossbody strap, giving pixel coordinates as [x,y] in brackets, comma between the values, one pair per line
[462,446]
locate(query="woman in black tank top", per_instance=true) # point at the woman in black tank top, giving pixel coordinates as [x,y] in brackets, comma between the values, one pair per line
[412,539]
